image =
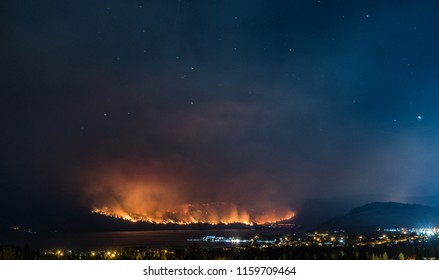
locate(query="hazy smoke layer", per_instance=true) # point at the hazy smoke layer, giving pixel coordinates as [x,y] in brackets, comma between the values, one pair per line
[152,194]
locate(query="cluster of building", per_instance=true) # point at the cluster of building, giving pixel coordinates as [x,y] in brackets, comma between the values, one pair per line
[380,237]
[69,254]
[333,238]
[337,239]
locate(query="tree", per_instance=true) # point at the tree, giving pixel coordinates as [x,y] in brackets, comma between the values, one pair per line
[341,254]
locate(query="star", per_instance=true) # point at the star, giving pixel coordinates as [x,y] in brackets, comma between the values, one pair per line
[420,117]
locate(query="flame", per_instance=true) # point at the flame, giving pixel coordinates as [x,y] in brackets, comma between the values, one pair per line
[211,213]
[154,192]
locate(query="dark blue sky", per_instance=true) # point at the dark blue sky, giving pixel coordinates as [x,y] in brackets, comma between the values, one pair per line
[254,103]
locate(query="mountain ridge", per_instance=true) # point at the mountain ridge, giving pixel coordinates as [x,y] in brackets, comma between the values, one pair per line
[385,214]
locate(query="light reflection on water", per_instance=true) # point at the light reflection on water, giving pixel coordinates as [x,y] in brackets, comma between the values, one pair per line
[133,239]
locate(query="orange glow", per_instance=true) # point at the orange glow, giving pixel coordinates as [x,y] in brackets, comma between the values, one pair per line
[144,192]
[211,213]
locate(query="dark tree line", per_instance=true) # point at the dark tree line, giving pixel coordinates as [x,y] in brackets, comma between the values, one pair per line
[415,250]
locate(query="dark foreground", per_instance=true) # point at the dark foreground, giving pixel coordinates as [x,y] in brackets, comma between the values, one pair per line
[413,251]
[398,245]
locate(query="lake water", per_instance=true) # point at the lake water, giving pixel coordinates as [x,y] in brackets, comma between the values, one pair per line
[131,239]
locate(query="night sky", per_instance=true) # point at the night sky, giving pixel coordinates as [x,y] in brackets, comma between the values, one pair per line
[264,105]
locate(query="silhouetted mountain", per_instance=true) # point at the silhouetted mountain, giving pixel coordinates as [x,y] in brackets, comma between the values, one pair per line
[430,200]
[385,215]
[315,211]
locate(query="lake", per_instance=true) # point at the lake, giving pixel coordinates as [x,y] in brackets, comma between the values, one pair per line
[131,239]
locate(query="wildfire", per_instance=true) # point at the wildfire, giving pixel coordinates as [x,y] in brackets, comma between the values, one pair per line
[211,213]
[158,193]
